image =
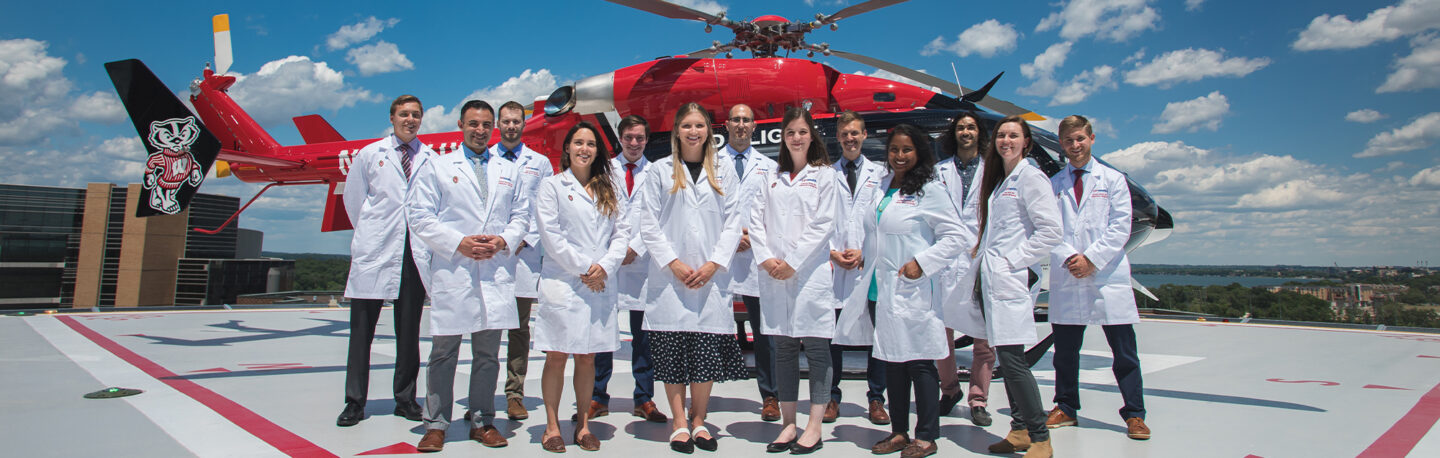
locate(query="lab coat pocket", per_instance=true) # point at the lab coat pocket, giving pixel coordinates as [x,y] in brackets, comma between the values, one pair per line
[1004,282]
[912,297]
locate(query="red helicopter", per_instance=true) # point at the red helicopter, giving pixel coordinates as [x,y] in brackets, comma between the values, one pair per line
[766,82]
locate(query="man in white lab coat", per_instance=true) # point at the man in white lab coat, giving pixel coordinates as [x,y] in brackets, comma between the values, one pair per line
[466,215]
[855,321]
[747,162]
[381,264]
[533,166]
[626,168]
[1090,278]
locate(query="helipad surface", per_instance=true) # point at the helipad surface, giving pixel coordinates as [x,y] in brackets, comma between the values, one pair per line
[269,383]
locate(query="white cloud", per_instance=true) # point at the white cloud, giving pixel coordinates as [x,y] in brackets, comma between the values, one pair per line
[1193,5]
[1419,134]
[1190,64]
[1114,20]
[358,32]
[1134,57]
[1041,71]
[1192,115]
[1264,208]
[1339,32]
[295,86]
[1419,70]
[1429,178]
[1364,116]
[114,160]
[1084,85]
[36,96]
[523,88]
[986,39]
[380,57]
[98,107]
[1290,195]
[1327,32]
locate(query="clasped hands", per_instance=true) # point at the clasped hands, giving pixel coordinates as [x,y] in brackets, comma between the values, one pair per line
[481,247]
[693,278]
[1079,265]
[848,259]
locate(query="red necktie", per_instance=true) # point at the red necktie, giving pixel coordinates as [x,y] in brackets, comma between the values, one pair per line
[405,158]
[1079,185]
[629,177]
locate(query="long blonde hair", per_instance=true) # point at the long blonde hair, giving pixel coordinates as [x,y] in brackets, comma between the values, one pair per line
[680,175]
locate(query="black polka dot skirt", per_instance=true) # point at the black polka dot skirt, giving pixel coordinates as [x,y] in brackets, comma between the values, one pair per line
[696,357]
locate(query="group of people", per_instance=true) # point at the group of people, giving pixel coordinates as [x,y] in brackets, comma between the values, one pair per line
[888,258]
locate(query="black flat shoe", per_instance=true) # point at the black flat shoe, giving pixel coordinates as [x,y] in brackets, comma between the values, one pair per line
[798,449]
[777,447]
[686,446]
[708,444]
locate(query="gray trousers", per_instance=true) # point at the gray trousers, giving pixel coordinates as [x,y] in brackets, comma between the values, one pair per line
[1026,413]
[440,378]
[787,367]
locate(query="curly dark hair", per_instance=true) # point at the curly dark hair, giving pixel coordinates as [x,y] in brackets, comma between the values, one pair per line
[982,141]
[924,169]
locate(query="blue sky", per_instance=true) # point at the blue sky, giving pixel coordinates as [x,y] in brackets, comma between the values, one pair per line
[1275,132]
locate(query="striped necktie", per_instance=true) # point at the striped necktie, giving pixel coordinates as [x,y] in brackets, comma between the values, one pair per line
[405,159]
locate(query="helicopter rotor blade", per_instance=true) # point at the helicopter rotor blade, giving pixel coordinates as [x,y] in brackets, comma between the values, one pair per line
[674,11]
[992,103]
[853,10]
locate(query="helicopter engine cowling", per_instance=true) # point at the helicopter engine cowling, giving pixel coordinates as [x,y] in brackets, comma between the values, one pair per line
[595,94]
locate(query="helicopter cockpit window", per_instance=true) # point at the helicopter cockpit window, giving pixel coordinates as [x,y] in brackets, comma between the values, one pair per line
[884,97]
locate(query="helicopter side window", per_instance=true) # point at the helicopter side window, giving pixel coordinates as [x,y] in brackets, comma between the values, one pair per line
[884,97]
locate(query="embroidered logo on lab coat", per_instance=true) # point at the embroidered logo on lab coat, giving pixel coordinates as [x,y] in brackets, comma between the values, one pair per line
[505,181]
[908,199]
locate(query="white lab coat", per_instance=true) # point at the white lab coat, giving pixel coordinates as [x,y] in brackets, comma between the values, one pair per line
[744,275]
[444,207]
[908,312]
[1022,227]
[694,225]
[962,310]
[852,289]
[570,317]
[533,167]
[1098,226]
[630,280]
[795,220]
[374,198]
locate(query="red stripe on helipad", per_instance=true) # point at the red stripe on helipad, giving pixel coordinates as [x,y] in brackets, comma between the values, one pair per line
[280,438]
[1406,433]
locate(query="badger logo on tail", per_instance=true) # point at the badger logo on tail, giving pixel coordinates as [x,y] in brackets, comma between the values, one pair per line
[171,166]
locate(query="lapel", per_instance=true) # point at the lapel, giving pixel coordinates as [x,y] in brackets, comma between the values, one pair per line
[573,187]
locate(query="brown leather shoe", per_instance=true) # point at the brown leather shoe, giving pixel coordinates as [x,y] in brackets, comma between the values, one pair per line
[587,442]
[433,441]
[596,410]
[515,409]
[832,412]
[553,444]
[890,444]
[1058,418]
[488,436]
[650,413]
[770,411]
[1017,441]
[1136,429]
[914,450]
[877,413]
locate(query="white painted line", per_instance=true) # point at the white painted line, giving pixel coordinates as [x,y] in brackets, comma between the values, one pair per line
[194,426]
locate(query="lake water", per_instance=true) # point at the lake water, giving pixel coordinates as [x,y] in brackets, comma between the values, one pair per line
[1151,281]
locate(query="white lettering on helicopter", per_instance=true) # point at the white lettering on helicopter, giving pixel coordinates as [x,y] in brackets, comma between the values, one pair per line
[347,157]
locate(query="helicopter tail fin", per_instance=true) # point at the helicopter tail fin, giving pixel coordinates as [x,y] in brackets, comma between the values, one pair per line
[181,150]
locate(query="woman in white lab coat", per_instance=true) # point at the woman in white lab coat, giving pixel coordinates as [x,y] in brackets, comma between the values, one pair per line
[691,227]
[793,223]
[579,218]
[911,236]
[1019,225]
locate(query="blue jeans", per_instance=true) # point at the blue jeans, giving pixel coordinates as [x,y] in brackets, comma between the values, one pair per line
[640,366]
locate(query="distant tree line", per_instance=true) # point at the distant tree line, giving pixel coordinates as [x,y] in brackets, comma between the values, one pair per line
[318,272]
[1235,301]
